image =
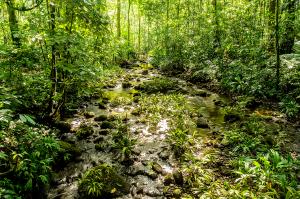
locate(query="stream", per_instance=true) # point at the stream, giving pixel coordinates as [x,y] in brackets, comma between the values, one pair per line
[152,148]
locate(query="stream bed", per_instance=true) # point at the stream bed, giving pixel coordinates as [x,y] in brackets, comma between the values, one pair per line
[152,159]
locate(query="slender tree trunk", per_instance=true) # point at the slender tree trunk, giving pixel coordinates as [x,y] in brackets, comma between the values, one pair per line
[288,38]
[13,25]
[119,19]
[217,39]
[139,36]
[277,45]
[271,26]
[167,28]
[53,75]
[128,21]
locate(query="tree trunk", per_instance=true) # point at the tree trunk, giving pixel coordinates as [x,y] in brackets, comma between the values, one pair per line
[53,75]
[119,19]
[128,22]
[271,26]
[13,24]
[139,36]
[288,39]
[277,45]
[167,28]
[217,39]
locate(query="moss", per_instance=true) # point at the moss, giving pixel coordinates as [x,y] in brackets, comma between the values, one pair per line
[200,77]
[126,84]
[162,85]
[69,148]
[84,131]
[103,182]
[67,153]
[107,125]
[101,118]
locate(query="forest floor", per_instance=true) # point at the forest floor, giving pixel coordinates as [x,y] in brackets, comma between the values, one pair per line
[167,137]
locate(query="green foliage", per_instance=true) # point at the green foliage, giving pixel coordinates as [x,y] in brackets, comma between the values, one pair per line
[269,175]
[102,181]
[290,107]
[27,156]
[123,142]
[178,139]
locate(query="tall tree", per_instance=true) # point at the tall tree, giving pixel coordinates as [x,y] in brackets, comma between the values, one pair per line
[13,23]
[119,19]
[288,37]
[277,45]
[128,22]
[217,36]
[271,26]
[53,76]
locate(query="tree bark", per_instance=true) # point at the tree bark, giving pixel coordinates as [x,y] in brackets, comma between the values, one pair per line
[53,75]
[217,39]
[277,45]
[13,24]
[271,26]
[119,19]
[128,22]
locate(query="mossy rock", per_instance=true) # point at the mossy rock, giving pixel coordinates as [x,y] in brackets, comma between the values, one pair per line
[89,115]
[178,177]
[232,117]
[67,153]
[84,131]
[126,85]
[200,77]
[103,182]
[202,123]
[107,125]
[101,118]
[64,127]
[71,149]
[159,85]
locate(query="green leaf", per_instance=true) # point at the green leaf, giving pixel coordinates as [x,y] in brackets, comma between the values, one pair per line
[27,119]
[3,156]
